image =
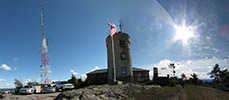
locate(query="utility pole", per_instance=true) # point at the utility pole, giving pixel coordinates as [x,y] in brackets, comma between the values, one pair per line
[173,67]
[120,25]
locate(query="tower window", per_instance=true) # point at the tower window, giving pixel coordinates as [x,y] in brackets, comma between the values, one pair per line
[124,70]
[123,56]
[122,43]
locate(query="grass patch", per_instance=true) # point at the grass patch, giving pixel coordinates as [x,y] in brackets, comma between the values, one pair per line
[157,93]
[190,92]
[205,93]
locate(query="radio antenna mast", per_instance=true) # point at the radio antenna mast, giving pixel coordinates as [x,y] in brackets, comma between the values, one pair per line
[45,71]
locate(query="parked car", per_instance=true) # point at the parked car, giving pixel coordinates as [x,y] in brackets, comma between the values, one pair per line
[47,88]
[60,86]
[6,92]
[12,91]
[28,89]
[17,90]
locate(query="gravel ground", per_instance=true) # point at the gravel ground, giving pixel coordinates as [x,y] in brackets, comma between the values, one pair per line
[49,96]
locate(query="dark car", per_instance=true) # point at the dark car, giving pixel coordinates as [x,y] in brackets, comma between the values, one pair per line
[17,90]
[6,92]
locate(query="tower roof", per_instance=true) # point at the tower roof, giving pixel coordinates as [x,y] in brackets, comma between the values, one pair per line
[101,71]
[119,33]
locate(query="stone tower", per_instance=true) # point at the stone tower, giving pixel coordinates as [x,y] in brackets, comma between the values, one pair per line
[123,61]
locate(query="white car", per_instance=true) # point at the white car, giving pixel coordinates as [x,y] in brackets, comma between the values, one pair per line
[28,89]
[63,86]
[46,88]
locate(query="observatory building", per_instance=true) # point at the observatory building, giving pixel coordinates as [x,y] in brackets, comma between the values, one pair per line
[123,63]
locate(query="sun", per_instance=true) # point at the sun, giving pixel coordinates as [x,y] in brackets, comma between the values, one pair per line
[183,33]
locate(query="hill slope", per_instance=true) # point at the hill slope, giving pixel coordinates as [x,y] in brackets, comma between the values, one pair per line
[177,93]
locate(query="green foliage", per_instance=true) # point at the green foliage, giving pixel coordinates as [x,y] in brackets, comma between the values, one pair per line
[194,79]
[172,82]
[221,78]
[150,83]
[162,81]
[33,83]
[18,83]
[76,82]
[215,73]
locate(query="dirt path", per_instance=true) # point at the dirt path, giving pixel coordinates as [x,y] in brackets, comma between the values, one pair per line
[180,96]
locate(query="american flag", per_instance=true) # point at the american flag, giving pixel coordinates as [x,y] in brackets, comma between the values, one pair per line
[113,28]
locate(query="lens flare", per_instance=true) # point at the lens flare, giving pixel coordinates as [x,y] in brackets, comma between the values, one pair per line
[183,33]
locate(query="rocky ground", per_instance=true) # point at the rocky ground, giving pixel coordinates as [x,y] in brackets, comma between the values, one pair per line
[104,92]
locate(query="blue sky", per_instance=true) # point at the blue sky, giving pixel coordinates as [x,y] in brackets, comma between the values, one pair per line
[77,30]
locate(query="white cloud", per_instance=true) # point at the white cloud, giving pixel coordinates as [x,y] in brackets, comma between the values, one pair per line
[2,80]
[27,81]
[15,68]
[49,72]
[206,47]
[208,38]
[75,73]
[15,59]
[96,68]
[84,75]
[72,71]
[212,49]
[5,67]
[201,67]
[7,85]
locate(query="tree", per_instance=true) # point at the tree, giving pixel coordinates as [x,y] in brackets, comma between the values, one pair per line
[77,83]
[194,79]
[183,76]
[33,83]
[221,77]
[216,73]
[224,77]
[18,83]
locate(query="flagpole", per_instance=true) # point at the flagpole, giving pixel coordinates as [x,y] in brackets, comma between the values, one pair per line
[113,54]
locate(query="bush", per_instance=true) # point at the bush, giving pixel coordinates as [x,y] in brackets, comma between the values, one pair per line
[172,82]
[162,81]
[150,83]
